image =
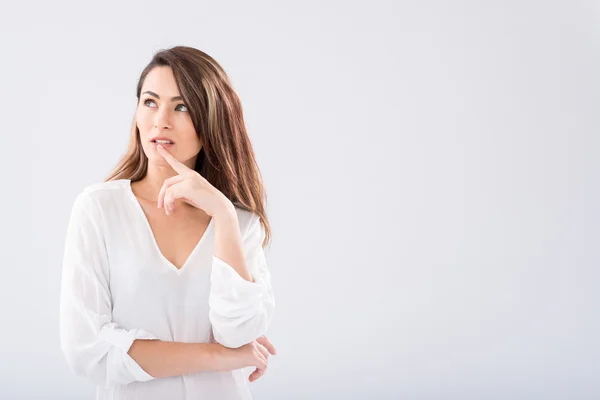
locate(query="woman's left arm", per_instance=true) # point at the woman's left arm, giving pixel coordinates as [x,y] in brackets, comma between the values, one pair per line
[241,298]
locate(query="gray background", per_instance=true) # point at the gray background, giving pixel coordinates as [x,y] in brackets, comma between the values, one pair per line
[432,171]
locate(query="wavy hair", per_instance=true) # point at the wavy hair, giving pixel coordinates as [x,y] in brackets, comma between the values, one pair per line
[226,158]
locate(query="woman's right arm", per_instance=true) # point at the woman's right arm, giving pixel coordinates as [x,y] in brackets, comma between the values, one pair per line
[94,346]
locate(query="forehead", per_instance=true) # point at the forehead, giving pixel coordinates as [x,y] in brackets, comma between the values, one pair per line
[161,80]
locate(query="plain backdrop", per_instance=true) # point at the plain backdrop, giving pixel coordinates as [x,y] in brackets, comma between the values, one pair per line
[432,176]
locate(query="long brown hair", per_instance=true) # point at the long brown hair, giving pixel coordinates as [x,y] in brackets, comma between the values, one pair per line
[226,158]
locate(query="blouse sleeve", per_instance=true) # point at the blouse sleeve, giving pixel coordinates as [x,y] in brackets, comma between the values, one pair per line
[94,345]
[240,310]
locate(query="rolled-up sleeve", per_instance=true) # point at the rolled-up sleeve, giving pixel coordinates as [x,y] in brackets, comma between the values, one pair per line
[240,310]
[94,345]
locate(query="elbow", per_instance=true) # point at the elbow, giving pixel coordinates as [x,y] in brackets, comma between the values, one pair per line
[235,332]
[82,365]
[103,368]
[74,362]
[77,360]
[236,323]
[99,352]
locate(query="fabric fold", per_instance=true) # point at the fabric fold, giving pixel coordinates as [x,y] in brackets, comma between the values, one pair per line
[240,310]
[94,345]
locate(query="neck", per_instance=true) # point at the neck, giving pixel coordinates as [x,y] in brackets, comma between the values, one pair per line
[153,181]
[148,187]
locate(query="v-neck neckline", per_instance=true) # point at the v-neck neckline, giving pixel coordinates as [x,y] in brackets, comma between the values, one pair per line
[153,238]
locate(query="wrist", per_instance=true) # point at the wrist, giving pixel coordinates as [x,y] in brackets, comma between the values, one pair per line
[219,357]
[226,211]
[206,356]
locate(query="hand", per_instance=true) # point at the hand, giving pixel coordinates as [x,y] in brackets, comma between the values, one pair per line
[267,347]
[190,187]
[253,354]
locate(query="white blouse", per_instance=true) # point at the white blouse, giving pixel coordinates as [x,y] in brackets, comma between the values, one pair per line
[117,286]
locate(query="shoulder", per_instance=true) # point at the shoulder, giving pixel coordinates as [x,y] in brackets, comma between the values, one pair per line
[246,218]
[100,195]
[249,222]
[97,188]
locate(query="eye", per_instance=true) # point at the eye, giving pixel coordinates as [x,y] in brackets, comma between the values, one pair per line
[147,100]
[179,105]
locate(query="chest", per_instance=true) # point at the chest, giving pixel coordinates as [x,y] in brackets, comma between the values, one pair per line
[177,235]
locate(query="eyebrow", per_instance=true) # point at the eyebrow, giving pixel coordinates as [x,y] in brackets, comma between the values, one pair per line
[158,97]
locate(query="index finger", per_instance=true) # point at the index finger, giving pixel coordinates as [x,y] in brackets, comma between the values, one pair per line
[265,342]
[178,166]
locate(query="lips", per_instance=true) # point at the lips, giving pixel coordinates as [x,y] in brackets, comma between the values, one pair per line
[154,139]
[165,145]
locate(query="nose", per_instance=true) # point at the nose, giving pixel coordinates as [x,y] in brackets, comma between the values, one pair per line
[162,119]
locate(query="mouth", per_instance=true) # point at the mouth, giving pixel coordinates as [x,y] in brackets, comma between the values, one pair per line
[163,142]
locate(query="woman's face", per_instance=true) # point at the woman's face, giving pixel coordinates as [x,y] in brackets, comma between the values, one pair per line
[159,115]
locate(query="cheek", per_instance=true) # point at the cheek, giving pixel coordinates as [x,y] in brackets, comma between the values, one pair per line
[143,120]
[192,141]
[186,127]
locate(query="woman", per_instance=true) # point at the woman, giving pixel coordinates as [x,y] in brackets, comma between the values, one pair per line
[165,289]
